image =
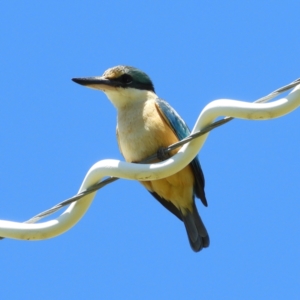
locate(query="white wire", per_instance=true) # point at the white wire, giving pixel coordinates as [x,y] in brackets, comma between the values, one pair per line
[116,168]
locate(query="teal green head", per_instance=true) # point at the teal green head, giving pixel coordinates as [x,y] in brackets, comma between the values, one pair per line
[119,76]
[121,84]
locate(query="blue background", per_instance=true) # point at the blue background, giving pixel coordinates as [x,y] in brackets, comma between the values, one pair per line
[51,131]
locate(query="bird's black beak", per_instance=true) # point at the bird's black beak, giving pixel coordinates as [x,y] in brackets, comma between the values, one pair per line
[86,81]
[98,82]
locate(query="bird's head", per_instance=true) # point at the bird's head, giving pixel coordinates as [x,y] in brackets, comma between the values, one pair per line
[123,85]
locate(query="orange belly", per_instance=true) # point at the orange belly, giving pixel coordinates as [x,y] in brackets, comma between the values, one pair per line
[177,188]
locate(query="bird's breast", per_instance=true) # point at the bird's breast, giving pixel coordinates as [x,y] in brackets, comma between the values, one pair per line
[142,131]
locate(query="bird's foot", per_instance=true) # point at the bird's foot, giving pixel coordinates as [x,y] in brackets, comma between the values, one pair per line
[162,154]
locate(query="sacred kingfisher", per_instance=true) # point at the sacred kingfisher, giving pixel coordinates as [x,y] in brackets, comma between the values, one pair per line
[146,123]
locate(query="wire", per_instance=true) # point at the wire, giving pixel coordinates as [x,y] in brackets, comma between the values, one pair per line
[163,152]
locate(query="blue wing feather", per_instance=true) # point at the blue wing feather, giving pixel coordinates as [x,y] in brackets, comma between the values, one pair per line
[182,131]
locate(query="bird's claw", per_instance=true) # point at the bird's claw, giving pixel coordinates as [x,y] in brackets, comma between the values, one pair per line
[162,154]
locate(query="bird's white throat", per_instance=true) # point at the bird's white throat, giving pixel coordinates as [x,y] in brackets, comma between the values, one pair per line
[122,97]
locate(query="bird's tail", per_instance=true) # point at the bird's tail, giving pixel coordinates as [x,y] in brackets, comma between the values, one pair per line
[195,229]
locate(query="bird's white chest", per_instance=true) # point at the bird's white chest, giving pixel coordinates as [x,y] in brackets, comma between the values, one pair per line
[139,129]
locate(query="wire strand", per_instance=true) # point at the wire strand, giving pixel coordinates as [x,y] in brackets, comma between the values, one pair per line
[155,156]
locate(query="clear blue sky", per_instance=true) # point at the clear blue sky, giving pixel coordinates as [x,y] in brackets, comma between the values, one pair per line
[127,246]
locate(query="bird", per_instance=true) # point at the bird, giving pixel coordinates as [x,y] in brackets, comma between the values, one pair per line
[146,124]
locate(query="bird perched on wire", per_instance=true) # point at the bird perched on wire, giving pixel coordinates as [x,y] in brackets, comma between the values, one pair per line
[145,124]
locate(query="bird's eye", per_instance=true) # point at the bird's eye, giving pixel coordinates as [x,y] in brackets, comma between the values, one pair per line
[126,78]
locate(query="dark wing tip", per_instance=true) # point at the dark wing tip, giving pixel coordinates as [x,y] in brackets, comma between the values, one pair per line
[204,201]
